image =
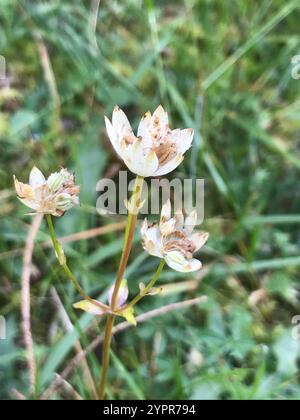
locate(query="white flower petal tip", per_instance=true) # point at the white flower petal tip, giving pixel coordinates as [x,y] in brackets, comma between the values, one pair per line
[174,240]
[166,224]
[120,121]
[53,196]
[36,177]
[166,210]
[183,139]
[199,239]
[159,110]
[160,116]
[156,150]
[190,221]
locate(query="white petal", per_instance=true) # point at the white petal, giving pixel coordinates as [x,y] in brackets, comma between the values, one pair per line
[179,220]
[151,239]
[36,177]
[120,122]
[31,203]
[143,130]
[169,166]
[183,139]
[199,239]
[23,190]
[167,224]
[166,211]
[144,227]
[140,161]
[161,116]
[178,262]
[113,137]
[167,227]
[175,260]
[190,222]
[192,265]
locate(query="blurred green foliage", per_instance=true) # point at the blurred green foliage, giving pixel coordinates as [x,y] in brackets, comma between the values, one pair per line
[221,67]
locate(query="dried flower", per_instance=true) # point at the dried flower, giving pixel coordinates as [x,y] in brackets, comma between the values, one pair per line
[173,239]
[156,150]
[53,196]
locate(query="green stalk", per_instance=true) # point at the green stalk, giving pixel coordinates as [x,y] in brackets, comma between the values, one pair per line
[129,232]
[62,261]
[148,287]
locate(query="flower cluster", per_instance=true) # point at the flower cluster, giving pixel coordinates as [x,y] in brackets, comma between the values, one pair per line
[54,195]
[173,239]
[156,150]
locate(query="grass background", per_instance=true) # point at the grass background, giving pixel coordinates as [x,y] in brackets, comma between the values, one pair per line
[221,67]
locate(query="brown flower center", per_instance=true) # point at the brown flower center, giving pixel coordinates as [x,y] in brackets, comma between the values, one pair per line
[165,151]
[178,241]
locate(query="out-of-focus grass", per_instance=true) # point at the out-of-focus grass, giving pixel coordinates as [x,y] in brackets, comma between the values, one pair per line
[223,68]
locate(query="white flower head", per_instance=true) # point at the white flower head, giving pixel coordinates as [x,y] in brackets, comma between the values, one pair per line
[156,149]
[54,195]
[173,239]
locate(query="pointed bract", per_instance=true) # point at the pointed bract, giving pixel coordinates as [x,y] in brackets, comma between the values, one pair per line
[90,307]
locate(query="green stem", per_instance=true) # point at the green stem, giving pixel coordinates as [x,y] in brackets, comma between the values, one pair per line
[129,232]
[61,259]
[106,354]
[148,287]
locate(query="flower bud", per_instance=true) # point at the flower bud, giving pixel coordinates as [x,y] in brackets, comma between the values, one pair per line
[64,201]
[122,295]
[55,181]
